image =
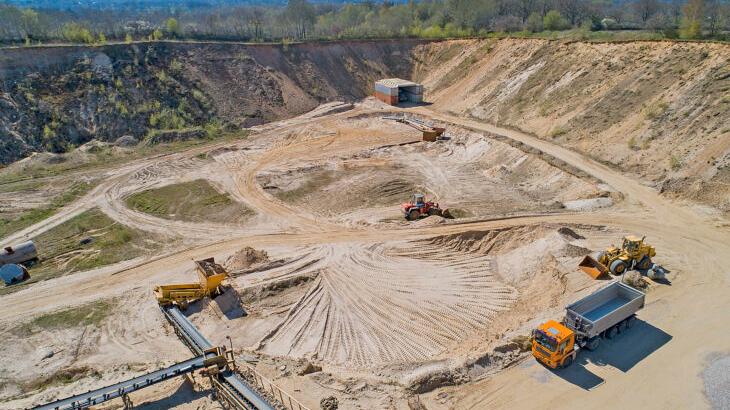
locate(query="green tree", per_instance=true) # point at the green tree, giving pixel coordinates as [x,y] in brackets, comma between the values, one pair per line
[301,14]
[692,13]
[172,27]
[29,22]
[76,33]
[128,38]
[102,38]
[534,22]
[156,35]
[553,21]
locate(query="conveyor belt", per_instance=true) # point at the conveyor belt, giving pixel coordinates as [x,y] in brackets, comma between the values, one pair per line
[191,336]
[85,400]
[232,384]
[233,387]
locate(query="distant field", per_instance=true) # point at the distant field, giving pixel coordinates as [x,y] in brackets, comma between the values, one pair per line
[195,201]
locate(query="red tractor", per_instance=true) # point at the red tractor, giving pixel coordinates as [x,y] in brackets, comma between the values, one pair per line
[418,207]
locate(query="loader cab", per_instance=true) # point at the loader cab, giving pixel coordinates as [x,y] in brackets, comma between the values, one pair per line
[553,344]
[632,244]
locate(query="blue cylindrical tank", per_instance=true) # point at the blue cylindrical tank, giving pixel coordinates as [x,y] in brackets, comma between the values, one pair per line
[12,273]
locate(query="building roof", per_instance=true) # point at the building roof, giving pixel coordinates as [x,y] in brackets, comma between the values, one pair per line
[396,82]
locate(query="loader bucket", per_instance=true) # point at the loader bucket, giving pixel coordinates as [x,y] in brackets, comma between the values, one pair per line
[592,267]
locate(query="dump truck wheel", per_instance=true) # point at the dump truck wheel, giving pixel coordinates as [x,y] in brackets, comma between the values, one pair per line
[621,326]
[618,267]
[567,362]
[611,332]
[593,343]
[644,263]
[630,322]
[413,215]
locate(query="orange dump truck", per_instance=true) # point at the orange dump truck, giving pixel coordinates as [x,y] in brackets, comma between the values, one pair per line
[603,314]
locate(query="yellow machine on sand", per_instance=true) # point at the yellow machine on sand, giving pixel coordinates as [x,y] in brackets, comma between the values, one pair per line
[633,254]
[210,274]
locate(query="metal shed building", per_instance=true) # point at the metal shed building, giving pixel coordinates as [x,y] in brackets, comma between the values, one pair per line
[395,90]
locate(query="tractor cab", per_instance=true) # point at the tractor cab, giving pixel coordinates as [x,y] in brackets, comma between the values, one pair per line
[553,344]
[418,200]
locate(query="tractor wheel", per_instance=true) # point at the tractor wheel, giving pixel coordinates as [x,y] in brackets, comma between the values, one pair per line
[434,211]
[413,215]
[644,263]
[618,267]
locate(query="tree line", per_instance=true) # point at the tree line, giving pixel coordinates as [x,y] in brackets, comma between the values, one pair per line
[302,20]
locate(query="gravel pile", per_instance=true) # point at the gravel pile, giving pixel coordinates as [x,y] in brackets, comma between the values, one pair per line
[717,382]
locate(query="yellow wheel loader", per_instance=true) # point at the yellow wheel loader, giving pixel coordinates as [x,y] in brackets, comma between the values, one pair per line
[633,254]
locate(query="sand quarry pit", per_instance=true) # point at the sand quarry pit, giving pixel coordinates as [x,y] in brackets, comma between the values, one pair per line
[470,173]
[392,309]
[331,292]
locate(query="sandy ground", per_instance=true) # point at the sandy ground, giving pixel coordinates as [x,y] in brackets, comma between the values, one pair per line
[387,308]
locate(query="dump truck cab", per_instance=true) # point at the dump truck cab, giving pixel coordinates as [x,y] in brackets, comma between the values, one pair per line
[553,344]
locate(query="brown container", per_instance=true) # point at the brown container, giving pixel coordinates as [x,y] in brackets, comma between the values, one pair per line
[388,99]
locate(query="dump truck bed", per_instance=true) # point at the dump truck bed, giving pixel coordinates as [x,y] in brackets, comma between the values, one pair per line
[604,308]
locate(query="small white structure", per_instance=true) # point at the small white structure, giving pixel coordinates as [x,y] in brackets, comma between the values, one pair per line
[396,90]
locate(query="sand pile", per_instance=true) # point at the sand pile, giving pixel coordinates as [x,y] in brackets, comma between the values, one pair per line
[246,258]
[492,241]
[430,221]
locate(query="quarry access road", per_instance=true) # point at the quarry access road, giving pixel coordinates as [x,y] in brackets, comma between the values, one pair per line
[692,311]
[688,319]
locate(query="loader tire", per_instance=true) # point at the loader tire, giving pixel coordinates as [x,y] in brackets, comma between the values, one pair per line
[618,267]
[446,214]
[644,263]
[413,215]
[434,211]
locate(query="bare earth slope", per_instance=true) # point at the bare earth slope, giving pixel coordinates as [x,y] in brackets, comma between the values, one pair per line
[660,110]
[55,98]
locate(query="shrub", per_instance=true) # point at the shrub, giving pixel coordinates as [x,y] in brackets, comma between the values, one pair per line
[534,23]
[674,163]
[167,119]
[554,21]
[76,33]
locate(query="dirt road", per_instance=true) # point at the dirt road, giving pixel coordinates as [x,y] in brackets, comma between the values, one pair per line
[692,312]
